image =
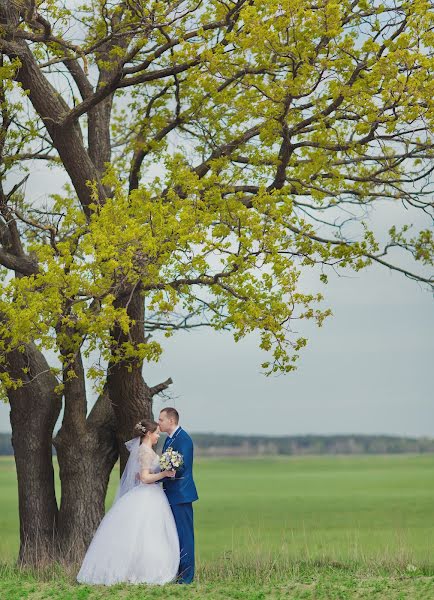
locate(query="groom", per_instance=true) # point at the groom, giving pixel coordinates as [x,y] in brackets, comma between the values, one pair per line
[181,490]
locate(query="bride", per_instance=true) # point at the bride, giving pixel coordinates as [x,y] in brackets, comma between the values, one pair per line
[137,540]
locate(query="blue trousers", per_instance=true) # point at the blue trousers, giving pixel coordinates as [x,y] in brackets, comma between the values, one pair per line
[183,514]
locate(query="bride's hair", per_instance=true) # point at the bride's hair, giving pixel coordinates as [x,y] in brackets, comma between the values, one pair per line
[144,426]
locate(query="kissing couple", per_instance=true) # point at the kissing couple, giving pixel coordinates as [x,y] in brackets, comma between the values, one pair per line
[147,536]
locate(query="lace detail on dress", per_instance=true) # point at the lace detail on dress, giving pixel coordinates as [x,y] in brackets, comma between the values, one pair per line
[148,459]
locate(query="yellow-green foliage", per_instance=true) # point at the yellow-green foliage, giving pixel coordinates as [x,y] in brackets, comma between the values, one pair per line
[173,247]
[340,87]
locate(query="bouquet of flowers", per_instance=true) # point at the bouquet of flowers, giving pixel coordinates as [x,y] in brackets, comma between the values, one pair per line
[171,460]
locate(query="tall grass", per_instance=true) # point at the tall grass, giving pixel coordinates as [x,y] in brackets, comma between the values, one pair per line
[249,569]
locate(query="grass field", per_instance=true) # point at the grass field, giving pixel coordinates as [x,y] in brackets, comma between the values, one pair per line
[284,527]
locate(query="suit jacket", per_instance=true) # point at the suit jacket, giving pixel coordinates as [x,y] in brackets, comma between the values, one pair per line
[181,488]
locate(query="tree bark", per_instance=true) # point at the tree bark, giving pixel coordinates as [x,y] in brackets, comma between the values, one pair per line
[85,464]
[34,411]
[130,396]
[86,452]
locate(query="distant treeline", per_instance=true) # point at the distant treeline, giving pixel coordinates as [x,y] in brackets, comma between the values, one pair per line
[237,445]
[214,444]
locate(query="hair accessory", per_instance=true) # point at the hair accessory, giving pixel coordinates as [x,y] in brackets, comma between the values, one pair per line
[141,428]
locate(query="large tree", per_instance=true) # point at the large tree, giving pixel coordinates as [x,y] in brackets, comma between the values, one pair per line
[215,149]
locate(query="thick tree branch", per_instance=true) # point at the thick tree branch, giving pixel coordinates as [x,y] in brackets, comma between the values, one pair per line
[19,264]
[157,389]
[52,109]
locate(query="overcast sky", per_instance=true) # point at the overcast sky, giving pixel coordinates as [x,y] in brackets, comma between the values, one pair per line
[369,369]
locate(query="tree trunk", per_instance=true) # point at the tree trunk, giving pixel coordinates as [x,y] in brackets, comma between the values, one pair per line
[85,465]
[86,452]
[131,397]
[34,411]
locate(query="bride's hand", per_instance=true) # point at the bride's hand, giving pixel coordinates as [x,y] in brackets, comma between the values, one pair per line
[169,473]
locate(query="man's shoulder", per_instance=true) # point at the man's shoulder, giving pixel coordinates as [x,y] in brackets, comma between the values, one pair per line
[183,435]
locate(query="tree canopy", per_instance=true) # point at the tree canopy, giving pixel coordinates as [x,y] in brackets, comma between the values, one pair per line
[272,123]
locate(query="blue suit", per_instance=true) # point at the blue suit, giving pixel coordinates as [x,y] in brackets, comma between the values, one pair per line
[181,493]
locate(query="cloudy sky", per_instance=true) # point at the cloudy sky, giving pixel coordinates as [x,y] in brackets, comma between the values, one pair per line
[367,370]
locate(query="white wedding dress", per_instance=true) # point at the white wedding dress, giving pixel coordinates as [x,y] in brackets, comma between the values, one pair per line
[137,540]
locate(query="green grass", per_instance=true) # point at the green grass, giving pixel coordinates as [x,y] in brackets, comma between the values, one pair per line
[250,581]
[297,527]
[338,508]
